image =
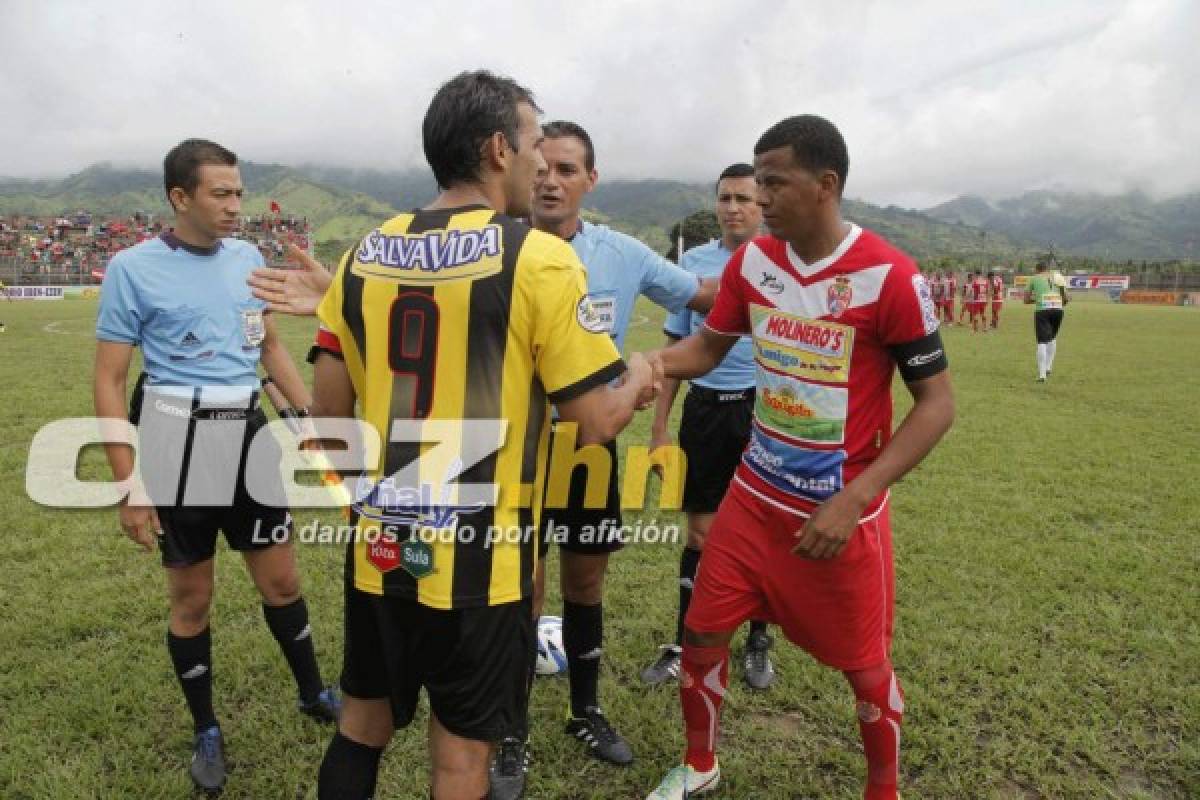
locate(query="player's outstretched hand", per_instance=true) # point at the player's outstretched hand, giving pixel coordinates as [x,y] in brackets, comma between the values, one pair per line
[829,528]
[292,291]
[140,524]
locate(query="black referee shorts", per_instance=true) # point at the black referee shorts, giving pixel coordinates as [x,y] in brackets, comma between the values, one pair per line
[713,433]
[189,453]
[590,531]
[1046,324]
[474,663]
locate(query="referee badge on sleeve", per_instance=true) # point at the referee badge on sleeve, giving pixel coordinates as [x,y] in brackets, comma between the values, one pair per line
[253,327]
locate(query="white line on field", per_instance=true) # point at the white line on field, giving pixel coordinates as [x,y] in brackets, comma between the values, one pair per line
[52,327]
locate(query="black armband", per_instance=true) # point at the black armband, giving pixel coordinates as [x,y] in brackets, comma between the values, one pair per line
[920,359]
[317,349]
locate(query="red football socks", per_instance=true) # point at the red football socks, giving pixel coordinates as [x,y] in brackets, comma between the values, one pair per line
[703,678]
[880,706]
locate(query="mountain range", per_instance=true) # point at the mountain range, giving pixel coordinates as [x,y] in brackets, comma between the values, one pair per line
[343,203]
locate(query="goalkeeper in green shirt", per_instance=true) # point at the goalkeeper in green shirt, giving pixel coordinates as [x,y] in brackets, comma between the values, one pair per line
[1048,293]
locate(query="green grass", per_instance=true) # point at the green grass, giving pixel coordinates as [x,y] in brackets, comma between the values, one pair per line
[1048,632]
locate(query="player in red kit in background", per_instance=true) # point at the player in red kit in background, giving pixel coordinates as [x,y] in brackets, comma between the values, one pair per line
[978,289]
[996,285]
[966,308]
[938,287]
[951,290]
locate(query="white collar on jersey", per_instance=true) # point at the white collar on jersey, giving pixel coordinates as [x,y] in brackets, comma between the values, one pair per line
[807,270]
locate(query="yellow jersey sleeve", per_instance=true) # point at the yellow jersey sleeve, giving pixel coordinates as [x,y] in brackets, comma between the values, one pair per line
[572,350]
[329,312]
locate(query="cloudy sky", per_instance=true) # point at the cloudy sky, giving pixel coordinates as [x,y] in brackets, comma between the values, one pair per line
[934,100]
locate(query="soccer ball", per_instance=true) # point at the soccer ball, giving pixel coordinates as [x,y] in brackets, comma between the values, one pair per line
[551,657]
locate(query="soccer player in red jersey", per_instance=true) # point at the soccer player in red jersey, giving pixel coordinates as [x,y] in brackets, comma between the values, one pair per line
[938,287]
[996,284]
[967,308]
[978,293]
[951,290]
[803,536]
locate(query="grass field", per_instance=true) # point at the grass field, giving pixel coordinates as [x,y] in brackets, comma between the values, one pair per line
[1048,558]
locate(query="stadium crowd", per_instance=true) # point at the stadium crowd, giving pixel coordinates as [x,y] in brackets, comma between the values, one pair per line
[76,248]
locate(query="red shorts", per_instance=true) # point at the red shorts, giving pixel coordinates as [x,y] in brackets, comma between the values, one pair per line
[996,306]
[840,610]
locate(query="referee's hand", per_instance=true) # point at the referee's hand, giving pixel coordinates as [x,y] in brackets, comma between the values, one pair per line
[140,524]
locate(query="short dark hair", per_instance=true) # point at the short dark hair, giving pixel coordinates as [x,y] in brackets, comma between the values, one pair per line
[464,113]
[738,170]
[816,144]
[562,128]
[182,165]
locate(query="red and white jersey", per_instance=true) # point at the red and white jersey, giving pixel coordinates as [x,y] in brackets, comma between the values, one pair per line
[951,287]
[821,334]
[979,288]
[997,289]
[938,286]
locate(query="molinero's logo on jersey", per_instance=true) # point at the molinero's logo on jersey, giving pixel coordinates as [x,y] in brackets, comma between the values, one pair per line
[430,257]
[839,295]
[811,349]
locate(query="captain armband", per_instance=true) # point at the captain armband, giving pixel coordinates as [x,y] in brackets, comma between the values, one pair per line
[920,359]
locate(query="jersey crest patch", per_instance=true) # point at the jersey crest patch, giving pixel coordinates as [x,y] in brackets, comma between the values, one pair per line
[590,319]
[839,296]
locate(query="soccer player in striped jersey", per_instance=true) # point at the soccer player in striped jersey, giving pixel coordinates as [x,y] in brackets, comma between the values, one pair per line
[803,537]
[452,328]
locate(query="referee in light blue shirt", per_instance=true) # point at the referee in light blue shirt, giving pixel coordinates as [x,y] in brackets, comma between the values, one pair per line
[183,299]
[619,268]
[718,412]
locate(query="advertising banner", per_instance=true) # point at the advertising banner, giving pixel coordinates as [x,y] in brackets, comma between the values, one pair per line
[35,292]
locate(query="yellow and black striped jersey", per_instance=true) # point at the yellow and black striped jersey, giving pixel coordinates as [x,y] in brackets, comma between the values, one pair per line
[447,320]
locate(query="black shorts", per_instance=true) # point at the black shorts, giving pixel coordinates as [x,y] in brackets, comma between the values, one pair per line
[475,663]
[591,531]
[1046,324]
[713,433]
[193,464]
